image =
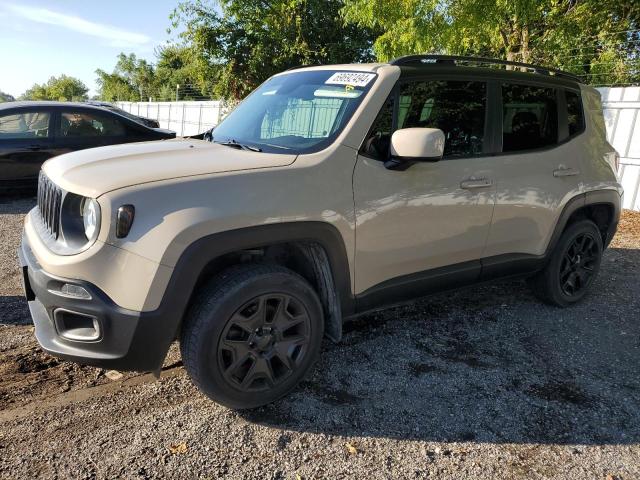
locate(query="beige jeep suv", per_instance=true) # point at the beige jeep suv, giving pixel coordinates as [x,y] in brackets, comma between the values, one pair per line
[330,191]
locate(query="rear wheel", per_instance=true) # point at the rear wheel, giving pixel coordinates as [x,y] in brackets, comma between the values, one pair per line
[252,334]
[573,266]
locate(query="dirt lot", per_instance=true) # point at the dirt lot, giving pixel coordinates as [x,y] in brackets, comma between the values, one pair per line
[484,383]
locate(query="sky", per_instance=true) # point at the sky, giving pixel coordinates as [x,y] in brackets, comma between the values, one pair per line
[39,38]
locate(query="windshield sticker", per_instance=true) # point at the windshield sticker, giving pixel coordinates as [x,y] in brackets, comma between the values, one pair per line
[355,79]
[337,92]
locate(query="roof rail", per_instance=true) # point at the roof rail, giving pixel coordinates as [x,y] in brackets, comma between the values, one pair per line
[304,65]
[453,59]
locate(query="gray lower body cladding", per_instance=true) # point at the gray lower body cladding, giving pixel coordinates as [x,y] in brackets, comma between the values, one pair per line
[111,337]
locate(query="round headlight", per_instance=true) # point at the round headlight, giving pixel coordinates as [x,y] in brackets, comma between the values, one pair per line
[90,218]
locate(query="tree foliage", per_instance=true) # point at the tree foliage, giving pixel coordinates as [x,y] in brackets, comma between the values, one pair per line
[182,65]
[226,48]
[589,37]
[131,79]
[251,40]
[135,79]
[63,88]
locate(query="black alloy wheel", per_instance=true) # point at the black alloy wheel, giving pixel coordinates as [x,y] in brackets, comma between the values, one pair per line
[572,265]
[252,334]
[579,264]
[264,342]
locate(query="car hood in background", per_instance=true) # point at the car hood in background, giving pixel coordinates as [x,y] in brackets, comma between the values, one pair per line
[96,171]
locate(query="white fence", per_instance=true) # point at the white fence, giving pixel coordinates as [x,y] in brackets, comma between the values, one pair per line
[184,118]
[621,112]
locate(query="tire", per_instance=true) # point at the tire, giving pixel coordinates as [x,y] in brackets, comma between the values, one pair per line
[251,335]
[573,266]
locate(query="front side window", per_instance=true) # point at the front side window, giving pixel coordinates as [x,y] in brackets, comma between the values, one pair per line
[574,112]
[24,125]
[298,112]
[529,117]
[458,108]
[86,124]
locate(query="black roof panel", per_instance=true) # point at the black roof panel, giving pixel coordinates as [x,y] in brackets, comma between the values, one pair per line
[452,63]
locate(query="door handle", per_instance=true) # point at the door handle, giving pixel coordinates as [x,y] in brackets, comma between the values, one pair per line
[563,171]
[473,182]
[34,148]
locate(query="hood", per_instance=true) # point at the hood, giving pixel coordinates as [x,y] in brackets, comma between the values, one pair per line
[96,171]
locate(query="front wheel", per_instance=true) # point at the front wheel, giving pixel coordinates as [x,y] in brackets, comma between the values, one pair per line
[573,266]
[252,334]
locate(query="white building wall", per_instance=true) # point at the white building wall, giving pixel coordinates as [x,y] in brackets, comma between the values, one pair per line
[184,118]
[621,107]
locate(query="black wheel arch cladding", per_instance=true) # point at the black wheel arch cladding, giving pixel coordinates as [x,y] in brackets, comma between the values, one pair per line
[319,242]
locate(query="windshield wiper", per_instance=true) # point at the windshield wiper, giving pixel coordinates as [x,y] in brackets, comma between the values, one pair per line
[241,146]
[282,147]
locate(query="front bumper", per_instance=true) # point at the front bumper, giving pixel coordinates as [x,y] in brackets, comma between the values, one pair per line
[92,331]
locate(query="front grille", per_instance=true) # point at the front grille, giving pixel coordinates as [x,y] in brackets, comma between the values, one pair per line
[49,203]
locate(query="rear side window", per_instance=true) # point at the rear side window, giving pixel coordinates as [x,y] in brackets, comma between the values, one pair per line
[529,117]
[24,125]
[457,108]
[574,112]
[86,124]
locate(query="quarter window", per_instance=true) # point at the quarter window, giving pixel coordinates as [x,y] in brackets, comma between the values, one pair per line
[81,124]
[24,125]
[529,117]
[574,113]
[379,139]
[456,107]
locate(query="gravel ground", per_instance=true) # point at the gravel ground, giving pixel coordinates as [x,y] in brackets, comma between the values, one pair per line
[482,383]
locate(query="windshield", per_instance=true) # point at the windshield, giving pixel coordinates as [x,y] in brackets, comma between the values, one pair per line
[298,112]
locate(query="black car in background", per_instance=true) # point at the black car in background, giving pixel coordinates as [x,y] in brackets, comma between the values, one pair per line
[149,122]
[33,132]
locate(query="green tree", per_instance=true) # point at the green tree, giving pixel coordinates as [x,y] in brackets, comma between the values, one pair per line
[5,97]
[182,65]
[135,79]
[138,72]
[251,40]
[63,88]
[113,87]
[36,92]
[583,36]
[132,80]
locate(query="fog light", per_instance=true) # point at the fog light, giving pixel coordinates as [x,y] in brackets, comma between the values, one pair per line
[72,291]
[76,326]
[124,220]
